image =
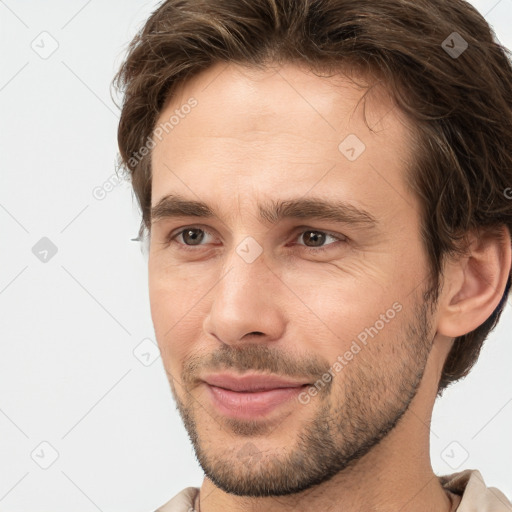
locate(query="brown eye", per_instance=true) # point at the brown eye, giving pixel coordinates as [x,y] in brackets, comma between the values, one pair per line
[189,238]
[192,235]
[316,238]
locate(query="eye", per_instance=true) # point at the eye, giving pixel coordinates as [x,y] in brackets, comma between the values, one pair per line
[317,237]
[193,236]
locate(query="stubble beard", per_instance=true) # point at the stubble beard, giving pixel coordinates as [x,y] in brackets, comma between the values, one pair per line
[374,396]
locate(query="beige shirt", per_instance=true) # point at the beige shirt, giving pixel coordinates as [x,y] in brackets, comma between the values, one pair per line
[469,484]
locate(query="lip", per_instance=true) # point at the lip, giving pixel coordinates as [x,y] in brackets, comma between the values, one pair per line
[250,382]
[250,396]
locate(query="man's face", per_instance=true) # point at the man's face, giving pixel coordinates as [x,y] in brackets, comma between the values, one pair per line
[334,305]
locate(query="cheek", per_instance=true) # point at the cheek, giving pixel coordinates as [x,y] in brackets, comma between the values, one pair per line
[177,311]
[176,291]
[335,313]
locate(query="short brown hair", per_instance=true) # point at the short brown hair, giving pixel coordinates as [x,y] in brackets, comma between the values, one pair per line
[460,105]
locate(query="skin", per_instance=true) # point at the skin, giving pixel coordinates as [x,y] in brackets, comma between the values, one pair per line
[363,442]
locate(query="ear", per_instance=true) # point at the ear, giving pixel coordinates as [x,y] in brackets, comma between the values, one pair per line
[474,284]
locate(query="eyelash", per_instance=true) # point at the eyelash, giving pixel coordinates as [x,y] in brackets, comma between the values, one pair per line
[340,238]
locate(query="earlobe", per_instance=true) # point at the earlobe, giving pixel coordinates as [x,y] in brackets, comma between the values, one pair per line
[475,283]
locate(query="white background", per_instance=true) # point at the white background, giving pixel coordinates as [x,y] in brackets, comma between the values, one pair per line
[68,327]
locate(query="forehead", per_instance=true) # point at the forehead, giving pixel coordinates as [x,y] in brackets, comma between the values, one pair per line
[288,95]
[282,127]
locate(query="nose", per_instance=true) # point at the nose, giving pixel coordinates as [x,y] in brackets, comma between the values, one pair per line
[247,303]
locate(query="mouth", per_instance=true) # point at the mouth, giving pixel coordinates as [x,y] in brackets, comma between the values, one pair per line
[251,396]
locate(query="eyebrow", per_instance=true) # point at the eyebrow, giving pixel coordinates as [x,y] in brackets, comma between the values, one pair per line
[173,205]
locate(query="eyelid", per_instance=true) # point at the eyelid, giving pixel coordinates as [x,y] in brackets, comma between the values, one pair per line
[173,234]
[297,231]
[302,229]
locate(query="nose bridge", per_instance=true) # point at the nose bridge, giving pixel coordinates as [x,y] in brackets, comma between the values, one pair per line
[246,283]
[244,299]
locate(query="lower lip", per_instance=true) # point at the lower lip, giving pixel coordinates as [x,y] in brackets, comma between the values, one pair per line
[244,405]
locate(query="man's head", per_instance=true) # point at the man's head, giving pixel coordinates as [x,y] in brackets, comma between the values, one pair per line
[325,188]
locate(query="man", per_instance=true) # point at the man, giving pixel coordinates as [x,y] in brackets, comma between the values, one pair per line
[324,186]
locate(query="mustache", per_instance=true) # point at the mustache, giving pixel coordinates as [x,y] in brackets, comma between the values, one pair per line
[254,357]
